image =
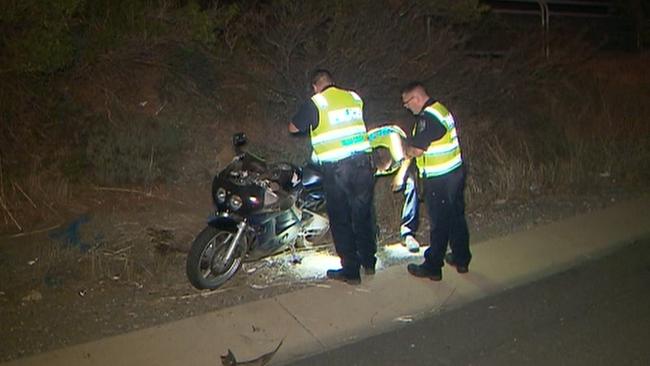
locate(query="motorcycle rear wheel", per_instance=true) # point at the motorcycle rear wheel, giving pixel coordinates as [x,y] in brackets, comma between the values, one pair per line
[206,266]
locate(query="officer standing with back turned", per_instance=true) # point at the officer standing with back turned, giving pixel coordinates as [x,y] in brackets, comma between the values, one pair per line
[333,117]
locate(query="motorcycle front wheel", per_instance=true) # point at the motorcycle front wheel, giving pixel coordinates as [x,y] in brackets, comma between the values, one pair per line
[207,267]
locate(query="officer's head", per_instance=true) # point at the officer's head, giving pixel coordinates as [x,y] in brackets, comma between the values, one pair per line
[382,158]
[414,97]
[321,79]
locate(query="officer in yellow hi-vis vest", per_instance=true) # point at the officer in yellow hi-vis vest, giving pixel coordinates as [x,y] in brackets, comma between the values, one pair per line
[435,146]
[333,117]
[388,155]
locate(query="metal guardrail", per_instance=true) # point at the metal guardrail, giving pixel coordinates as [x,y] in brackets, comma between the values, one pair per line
[546,9]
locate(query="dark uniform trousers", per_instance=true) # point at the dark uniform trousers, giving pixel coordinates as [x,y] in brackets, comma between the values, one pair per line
[349,187]
[445,202]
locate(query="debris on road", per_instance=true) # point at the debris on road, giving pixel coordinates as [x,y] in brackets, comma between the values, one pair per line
[33,295]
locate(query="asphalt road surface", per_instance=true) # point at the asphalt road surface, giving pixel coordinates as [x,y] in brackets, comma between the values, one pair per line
[595,314]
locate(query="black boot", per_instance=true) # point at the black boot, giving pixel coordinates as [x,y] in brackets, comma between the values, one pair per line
[460,268]
[424,271]
[341,275]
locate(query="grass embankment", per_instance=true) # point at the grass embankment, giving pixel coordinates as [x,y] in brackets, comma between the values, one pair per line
[148,98]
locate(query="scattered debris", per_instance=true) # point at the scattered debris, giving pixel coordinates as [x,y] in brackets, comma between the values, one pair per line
[82,293]
[258,287]
[404,319]
[500,201]
[192,296]
[33,261]
[33,295]
[605,174]
[251,270]
[230,360]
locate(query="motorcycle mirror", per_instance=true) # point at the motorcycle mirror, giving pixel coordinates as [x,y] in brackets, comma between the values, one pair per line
[239,139]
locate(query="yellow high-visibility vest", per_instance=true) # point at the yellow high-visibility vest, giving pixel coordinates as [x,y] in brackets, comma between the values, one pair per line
[443,155]
[390,137]
[341,131]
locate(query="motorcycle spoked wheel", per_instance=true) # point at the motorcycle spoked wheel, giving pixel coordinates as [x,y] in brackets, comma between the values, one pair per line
[206,266]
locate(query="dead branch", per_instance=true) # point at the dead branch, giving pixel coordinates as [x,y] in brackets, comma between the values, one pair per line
[193,296]
[11,216]
[24,194]
[151,163]
[135,191]
[117,252]
[2,186]
[47,204]
[35,231]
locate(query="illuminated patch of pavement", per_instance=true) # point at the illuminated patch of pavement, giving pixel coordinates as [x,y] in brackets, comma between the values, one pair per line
[314,263]
[399,252]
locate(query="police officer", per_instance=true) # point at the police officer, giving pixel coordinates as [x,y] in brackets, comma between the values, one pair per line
[389,158]
[435,146]
[334,119]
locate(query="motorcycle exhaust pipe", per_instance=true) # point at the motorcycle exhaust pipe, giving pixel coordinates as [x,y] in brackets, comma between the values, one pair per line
[233,243]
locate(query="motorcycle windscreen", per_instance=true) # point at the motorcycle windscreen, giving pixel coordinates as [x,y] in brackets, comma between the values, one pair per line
[388,145]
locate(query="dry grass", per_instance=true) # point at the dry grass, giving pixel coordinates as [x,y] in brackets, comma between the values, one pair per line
[604,140]
[33,203]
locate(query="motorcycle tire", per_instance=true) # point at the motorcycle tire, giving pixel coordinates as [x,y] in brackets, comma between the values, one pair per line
[205,267]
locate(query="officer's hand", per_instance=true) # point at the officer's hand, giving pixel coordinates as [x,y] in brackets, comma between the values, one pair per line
[397,184]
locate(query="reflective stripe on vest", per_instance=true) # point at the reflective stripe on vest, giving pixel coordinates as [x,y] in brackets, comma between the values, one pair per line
[341,131]
[443,155]
[390,137]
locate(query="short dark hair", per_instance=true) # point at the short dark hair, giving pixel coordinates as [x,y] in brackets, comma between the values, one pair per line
[412,86]
[321,74]
[382,158]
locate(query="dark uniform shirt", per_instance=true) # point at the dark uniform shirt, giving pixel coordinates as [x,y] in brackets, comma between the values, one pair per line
[427,129]
[306,118]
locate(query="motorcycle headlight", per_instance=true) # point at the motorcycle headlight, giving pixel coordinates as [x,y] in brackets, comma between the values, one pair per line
[254,201]
[221,195]
[235,202]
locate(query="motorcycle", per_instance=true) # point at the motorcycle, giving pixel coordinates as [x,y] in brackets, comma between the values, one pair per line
[261,209]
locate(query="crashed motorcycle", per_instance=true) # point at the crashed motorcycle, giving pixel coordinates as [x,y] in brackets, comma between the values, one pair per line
[261,209]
